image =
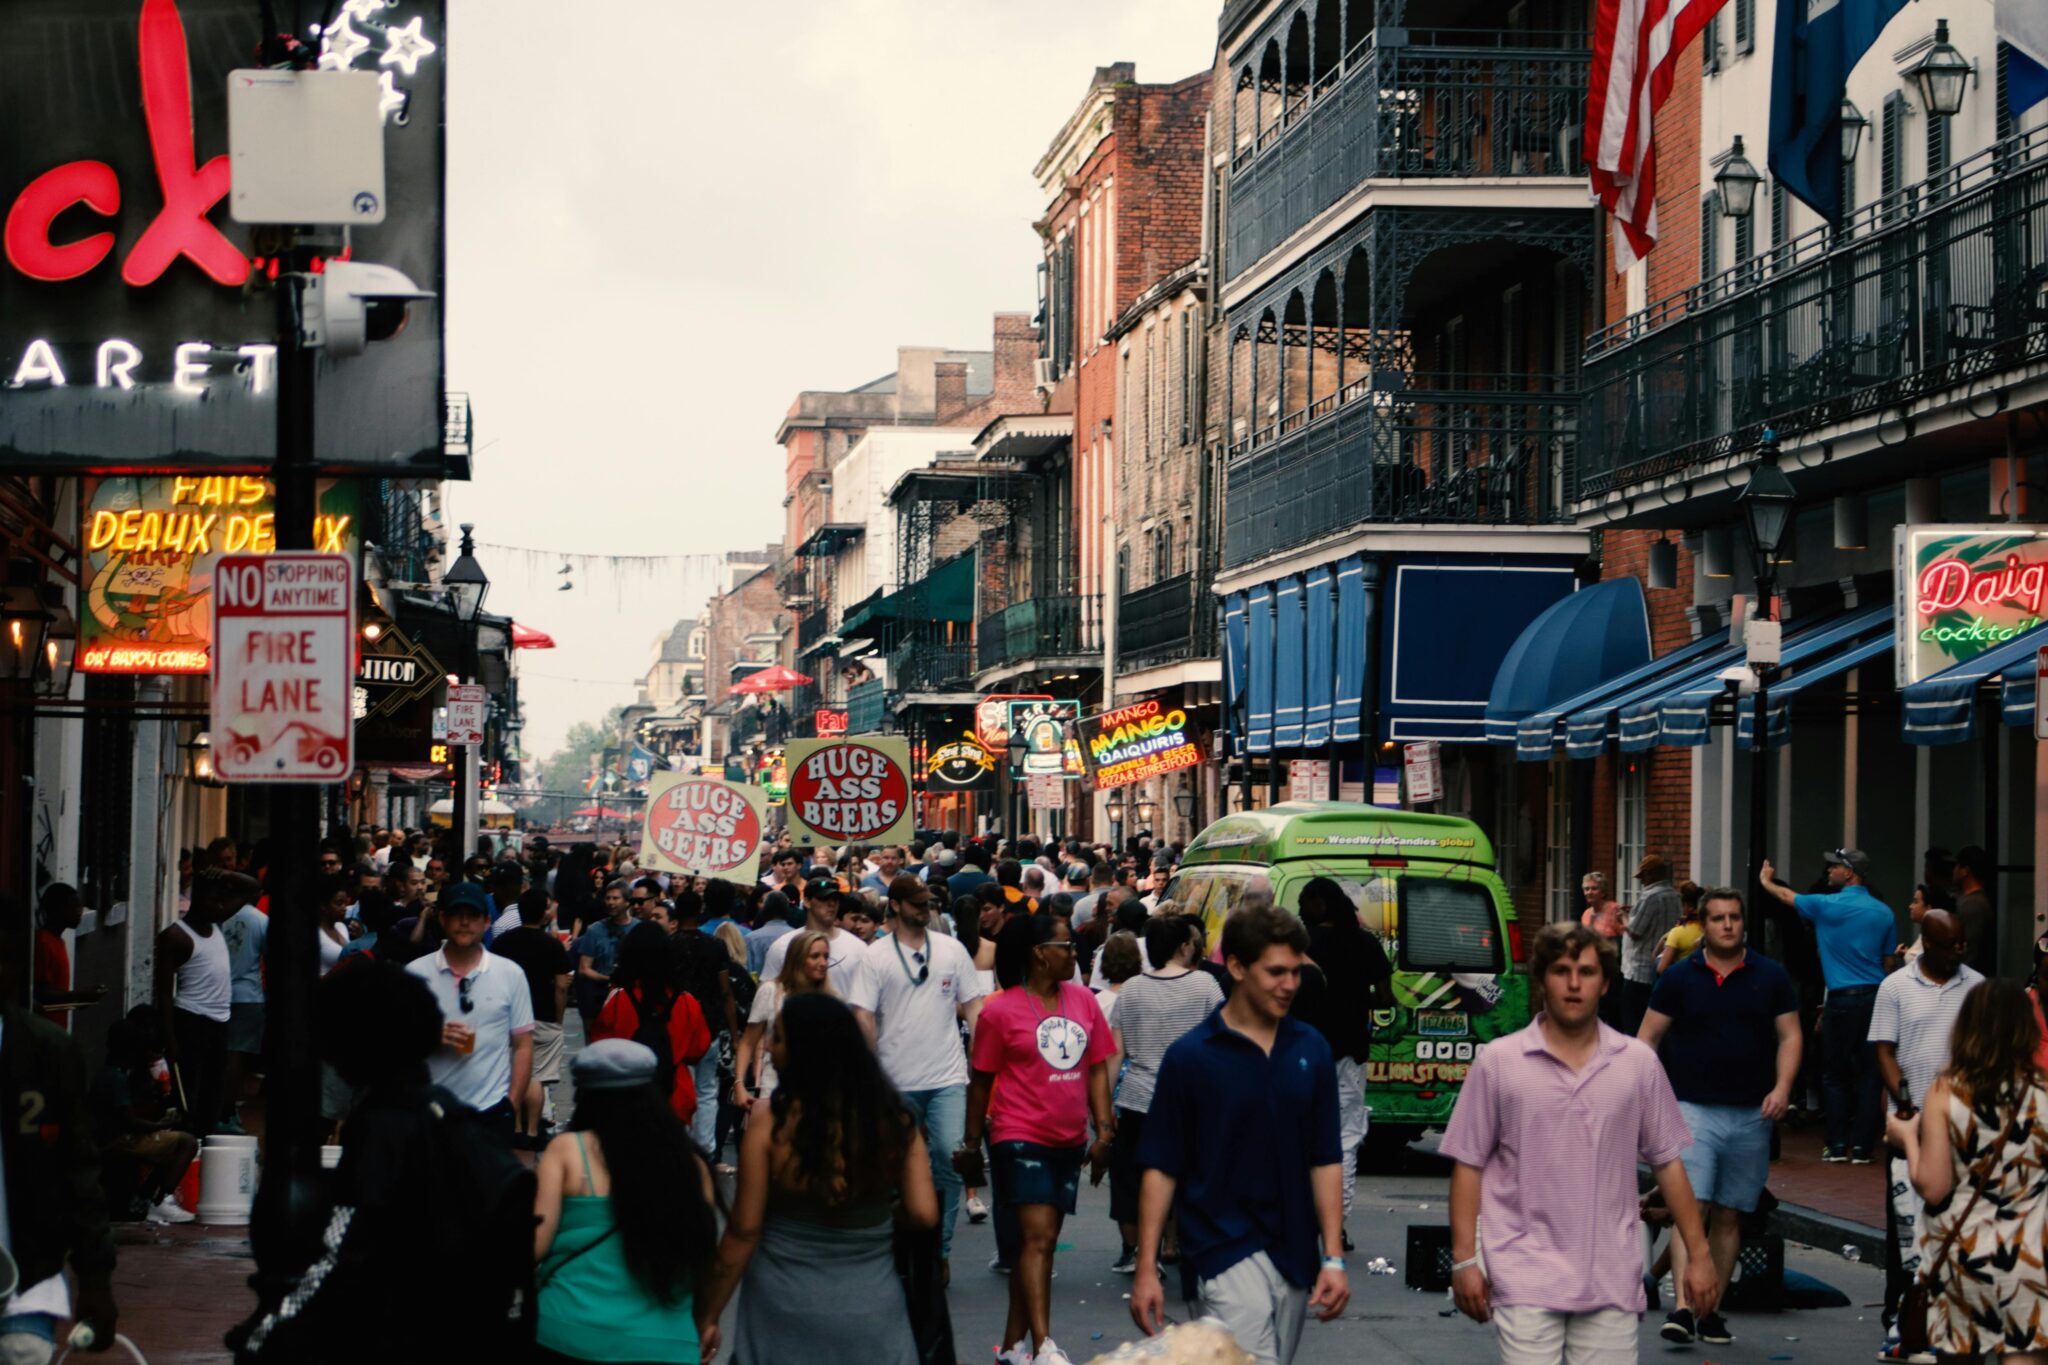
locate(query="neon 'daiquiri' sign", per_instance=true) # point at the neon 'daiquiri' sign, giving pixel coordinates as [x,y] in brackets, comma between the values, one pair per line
[1137,741]
[1963,590]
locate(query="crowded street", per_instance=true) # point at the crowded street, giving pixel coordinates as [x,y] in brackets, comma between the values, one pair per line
[1217,682]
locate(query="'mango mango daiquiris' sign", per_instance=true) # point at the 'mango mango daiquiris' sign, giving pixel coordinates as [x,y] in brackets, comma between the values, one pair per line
[1137,741]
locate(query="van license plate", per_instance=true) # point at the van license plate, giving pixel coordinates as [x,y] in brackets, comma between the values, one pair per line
[1442,1024]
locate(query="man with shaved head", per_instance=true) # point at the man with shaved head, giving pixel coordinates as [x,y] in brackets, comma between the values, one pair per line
[1912,1025]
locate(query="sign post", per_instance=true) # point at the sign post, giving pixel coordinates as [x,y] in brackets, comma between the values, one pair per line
[465,713]
[1425,765]
[2040,691]
[283,675]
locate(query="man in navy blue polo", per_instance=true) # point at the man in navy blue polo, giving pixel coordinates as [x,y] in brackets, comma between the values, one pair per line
[1728,1022]
[1264,1236]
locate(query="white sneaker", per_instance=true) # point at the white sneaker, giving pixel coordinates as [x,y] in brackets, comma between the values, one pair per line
[1049,1353]
[1016,1355]
[977,1212]
[168,1210]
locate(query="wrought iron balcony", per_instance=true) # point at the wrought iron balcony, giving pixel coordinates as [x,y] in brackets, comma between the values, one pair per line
[1442,104]
[926,666]
[1043,628]
[1940,287]
[1492,451]
[812,628]
[1165,622]
[864,708]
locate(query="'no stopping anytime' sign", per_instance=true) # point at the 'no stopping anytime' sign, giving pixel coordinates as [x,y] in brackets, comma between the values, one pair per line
[850,791]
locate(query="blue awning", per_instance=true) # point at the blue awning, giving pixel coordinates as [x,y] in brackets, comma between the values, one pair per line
[1320,671]
[1591,712]
[1258,729]
[1681,715]
[1449,623]
[1942,709]
[1287,662]
[1595,633]
[1785,690]
[1234,665]
[1345,717]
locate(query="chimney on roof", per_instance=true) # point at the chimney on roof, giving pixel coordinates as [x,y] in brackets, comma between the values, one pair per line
[914,381]
[1117,73]
[1016,347]
[949,387]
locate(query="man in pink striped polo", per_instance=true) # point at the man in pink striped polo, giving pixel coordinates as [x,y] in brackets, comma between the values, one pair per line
[1547,1133]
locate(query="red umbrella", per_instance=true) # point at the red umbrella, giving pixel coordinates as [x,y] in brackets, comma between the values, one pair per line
[525,637]
[772,679]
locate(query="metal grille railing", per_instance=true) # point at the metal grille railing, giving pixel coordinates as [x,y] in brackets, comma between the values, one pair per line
[1940,286]
[927,666]
[1165,621]
[1042,628]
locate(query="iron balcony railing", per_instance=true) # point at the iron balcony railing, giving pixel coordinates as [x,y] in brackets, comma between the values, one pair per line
[811,628]
[1456,108]
[1042,628]
[1486,449]
[1941,286]
[929,666]
[864,708]
[1166,621]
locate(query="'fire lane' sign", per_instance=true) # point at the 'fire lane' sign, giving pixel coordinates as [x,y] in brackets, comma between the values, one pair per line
[283,666]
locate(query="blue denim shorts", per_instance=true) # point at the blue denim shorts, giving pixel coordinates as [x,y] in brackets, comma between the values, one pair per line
[1026,1173]
[1730,1156]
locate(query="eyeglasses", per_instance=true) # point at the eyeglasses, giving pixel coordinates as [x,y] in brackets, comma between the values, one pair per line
[462,993]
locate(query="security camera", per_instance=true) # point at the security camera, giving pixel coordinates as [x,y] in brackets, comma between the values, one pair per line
[353,303]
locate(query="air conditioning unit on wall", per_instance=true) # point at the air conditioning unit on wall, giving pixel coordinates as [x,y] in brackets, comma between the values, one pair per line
[1044,374]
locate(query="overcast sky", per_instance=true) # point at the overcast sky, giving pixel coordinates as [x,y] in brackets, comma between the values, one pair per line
[665,220]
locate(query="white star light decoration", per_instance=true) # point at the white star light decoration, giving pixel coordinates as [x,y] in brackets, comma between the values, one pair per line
[404,47]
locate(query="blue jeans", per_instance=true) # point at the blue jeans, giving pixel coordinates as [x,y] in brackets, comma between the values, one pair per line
[1850,1086]
[942,1114]
[704,1124]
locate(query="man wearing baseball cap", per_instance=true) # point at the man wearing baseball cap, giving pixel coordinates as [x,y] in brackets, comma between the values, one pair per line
[1853,930]
[486,1052]
[821,912]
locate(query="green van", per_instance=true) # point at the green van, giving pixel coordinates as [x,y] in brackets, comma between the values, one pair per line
[1425,886]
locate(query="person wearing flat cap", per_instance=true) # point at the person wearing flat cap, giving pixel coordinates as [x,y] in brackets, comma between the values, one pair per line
[193,980]
[1854,932]
[627,1227]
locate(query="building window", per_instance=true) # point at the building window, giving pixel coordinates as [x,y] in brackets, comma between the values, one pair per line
[1710,228]
[1631,819]
[1187,375]
[1710,45]
[1560,880]
[1745,26]
[1892,163]
[1162,553]
[1507,822]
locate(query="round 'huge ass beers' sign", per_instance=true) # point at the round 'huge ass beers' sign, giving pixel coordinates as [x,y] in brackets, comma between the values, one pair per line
[701,826]
[850,791]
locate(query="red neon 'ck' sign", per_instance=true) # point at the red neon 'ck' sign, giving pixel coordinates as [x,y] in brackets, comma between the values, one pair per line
[180,228]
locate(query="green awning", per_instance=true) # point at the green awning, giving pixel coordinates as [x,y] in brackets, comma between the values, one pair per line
[876,606]
[946,594]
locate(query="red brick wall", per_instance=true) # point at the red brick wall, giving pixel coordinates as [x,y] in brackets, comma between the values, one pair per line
[1668,820]
[1675,263]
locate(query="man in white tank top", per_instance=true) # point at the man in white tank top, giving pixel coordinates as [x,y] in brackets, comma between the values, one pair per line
[193,989]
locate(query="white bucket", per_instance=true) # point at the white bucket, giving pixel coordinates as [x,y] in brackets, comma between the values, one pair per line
[227,1180]
[330,1156]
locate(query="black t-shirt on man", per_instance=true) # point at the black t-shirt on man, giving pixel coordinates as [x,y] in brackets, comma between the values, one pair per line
[542,957]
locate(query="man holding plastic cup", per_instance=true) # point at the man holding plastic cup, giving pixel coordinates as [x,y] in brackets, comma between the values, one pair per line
[486,1052]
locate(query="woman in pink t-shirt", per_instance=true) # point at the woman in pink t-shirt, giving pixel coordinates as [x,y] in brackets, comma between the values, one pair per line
[1049,1047]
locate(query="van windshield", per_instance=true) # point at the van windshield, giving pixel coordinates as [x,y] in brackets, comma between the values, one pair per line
[1450,927]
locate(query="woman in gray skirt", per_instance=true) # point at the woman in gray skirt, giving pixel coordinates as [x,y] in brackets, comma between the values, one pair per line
[826,1168]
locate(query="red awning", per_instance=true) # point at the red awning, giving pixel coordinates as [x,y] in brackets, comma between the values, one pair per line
[773,679]
[525,637]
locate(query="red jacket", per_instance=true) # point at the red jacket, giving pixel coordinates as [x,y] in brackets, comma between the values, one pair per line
[689,1038]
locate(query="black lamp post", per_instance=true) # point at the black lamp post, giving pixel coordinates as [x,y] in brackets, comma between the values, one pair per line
[1114,809]
[1767,504]
[1018,748]
[467,585]
[1735,183]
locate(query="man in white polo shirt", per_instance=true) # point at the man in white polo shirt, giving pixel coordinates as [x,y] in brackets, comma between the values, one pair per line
[1912,1023]
[919,985]
[486,1052]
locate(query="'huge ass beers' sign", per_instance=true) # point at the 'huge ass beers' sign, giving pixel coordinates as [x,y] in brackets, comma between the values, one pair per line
[130,337]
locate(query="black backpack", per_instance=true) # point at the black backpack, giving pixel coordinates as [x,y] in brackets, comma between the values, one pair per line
[485,1221]
[652,1034]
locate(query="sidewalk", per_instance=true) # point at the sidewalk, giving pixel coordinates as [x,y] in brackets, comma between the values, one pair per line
[180,1289]
[1828,1206]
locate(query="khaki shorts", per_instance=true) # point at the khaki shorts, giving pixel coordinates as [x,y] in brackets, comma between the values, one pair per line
[547,1053]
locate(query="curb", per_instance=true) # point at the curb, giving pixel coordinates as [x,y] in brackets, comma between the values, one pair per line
[1827,1232]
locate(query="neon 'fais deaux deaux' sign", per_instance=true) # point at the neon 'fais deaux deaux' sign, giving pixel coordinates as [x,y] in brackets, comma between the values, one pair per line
[138,331]
[1138,741]
[1964,589]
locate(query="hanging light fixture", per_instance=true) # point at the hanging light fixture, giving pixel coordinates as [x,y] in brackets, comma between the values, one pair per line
[466,581]
[1184,804]
[1146,811]
[199,760]
[60,646]
[1852,522]
[1735,183]
[1114,808]
[1662,568]
[1942,73]
[23,621]
[1853,124]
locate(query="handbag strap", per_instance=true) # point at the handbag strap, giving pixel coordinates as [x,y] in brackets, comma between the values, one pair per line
[1978,1175]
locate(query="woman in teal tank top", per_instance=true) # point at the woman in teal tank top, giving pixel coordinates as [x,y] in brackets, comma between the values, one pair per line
[628,1221]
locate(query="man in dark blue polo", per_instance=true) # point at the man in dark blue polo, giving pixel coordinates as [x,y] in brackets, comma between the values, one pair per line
[1264,1237]
[1728,1022]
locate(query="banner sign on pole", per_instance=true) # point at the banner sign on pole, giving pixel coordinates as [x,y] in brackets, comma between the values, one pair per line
[466,713]
[283,672]
[1145,739]
[850,791]
[702,827]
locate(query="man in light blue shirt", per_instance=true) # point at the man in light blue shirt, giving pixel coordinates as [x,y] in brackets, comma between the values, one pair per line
[1854,932]
[486,1052]
[245,932]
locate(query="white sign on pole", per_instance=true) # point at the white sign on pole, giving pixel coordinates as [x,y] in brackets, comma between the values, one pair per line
[1425,764]
[1308,779]
[284,667]
[2041,693]
[465,713]
[1047,791]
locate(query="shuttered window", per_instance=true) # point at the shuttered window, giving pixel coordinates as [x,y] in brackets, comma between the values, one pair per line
[1892,153]
[1780,203]
[1745,26]
[1710,46]
[1710,223]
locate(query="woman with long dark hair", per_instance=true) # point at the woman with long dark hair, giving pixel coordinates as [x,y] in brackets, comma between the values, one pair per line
[1976,1153]
[649,1006]
[825,1169]
[627,1220]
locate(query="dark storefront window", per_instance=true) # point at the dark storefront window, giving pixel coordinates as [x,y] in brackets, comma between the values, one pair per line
[106,784]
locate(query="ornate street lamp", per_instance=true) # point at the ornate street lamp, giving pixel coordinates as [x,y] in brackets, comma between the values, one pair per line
[23,622]
[1735,183]
[1853,124]
[466,581]
[1184,804]
[1942,73]
[199,760]
[1114,809]
[467,585]
[1019,747]
[1146,811]
[1767,504]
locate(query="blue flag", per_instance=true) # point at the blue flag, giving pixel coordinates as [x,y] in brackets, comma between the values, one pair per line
[2023,25]
[1818,43]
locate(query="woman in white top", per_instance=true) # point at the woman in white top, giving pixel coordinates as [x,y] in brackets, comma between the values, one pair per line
[806,968]
[335,898]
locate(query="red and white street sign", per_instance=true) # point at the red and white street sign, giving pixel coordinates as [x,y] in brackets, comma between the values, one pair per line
[1425,764]
[284,667]
[2041,693]
[465,713]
